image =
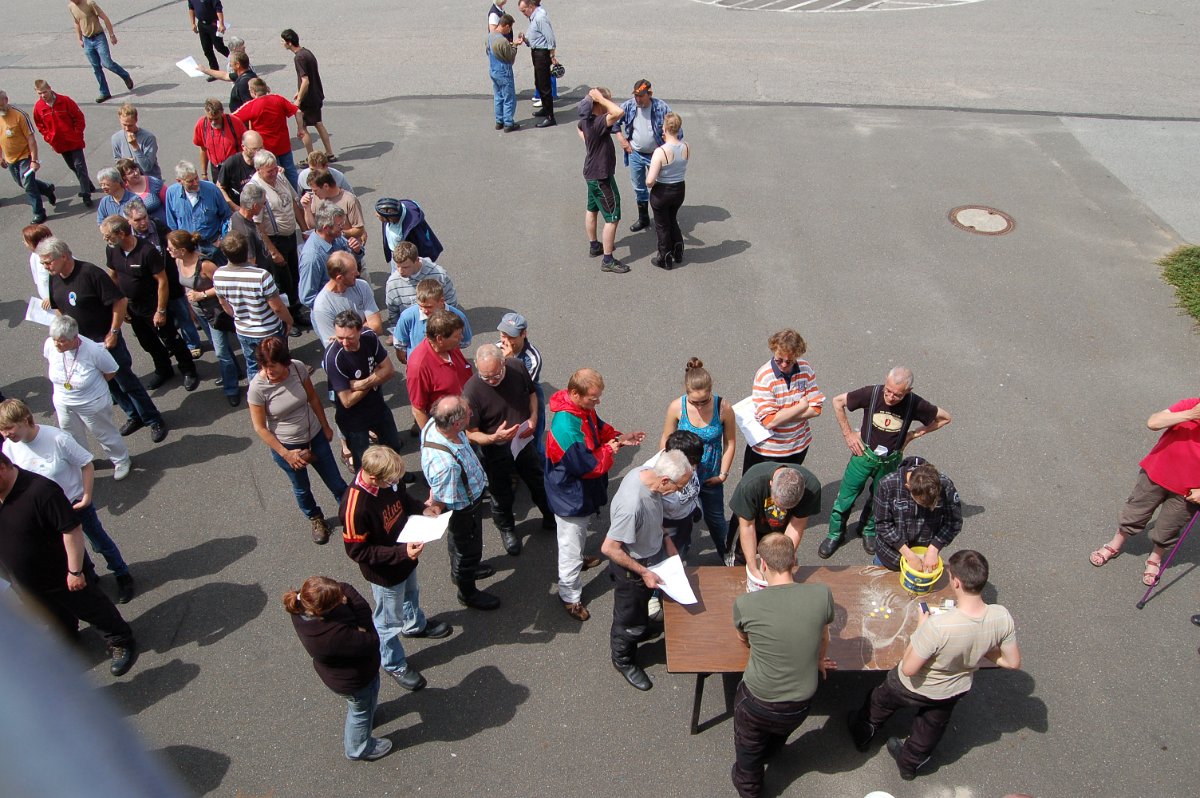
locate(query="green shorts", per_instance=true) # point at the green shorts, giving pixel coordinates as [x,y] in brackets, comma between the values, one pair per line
[603,198]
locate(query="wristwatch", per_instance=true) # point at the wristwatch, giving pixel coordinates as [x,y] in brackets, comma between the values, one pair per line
[74,573]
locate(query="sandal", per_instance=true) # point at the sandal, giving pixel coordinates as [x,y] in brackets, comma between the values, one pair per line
[1152,572]
[1103,554]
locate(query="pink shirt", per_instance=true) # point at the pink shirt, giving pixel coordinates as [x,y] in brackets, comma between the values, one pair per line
[1174,462]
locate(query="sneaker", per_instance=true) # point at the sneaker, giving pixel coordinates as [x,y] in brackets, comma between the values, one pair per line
[537,102]
[615,267]
[320,531]
[380,748]
[654,608]
[577,611]
[196,352]
[595,249]
[124,588]
[122,469]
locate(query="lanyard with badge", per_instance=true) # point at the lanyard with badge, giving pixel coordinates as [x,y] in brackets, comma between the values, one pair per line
[68,372]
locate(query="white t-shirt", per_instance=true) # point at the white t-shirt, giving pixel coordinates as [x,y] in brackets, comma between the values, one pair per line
[55,455]
[41,277]
[84,368]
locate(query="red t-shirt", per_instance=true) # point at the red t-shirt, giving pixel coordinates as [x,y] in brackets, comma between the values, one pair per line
[219,142]
[1174,462]
[430,378]
[268,116]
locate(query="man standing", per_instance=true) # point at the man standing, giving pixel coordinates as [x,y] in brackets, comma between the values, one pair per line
[268,114]
[939,666]
[41,549]
[915,506]
[505,415]
[456,482]
[197,206]
[324,191]
[238,169]
[249,294]
[786,626]
[514,342]
[325,240]
[374,510]
[208,20]
[84,292]
[876,449]
[344,291]
[357,365]
[61,124]
[401,289]
[281,218]
[634,543]
[501,53]
[155,233]
[310,94]
[135,143]
[598,114]
[139,271]
[641,132]
[540,38]
[772,497]
[19,155]
[437,367]
[240,74]
[409,331]
[579,454]
[217,137]
[251,204]
[89,18]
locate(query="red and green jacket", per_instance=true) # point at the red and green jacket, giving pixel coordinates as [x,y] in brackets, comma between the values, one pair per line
[577,458]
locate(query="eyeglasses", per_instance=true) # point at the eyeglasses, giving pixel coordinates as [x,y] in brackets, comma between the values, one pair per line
[494,379]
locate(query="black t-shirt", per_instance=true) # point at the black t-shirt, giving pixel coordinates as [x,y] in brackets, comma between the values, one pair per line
[752,498]
[508,401]
[306,66]
[235,173]
[342,366]
[239,95]
[33,519]
[601,159]
[258,250]
[136,272]
[882,425]
[86,295]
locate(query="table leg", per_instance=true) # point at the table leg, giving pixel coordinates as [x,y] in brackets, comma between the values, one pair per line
[696,700]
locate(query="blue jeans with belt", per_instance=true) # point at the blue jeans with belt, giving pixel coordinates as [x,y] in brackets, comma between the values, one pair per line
[326,466]
[96,50]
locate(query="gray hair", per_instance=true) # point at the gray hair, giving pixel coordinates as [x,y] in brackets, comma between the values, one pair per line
[448,411]
[53,248]
[787,488]
[252,194]
[489,353]
[235,43]
[184,169]
[264,158]
[135,207]
[326,216]
[901,375]
[63,328]
[109,173]
[673,465]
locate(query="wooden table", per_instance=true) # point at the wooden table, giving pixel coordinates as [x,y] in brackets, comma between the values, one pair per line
[873,618]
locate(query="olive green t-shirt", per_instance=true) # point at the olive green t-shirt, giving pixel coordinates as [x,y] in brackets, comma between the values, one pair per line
[785,624]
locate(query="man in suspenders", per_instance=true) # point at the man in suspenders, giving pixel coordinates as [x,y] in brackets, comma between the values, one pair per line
[877,448]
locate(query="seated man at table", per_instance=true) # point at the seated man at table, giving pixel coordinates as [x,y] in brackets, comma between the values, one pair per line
[915,506]
[772,497]
[635,541]
[938,665]
[786,626]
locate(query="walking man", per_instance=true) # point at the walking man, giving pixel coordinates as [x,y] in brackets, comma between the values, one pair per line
[877,448]
[598,113]
[310,94]
[208,20]
[640,133]
[19,155]
[540,39]
[61,124]
[90,22]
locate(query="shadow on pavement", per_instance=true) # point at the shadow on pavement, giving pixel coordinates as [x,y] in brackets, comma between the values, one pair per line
[208,558]
[147,687]
[436,707]
[201,769]
[366,152]
[202,615]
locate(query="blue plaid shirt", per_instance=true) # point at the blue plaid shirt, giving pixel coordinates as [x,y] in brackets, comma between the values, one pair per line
[443,471]
[658,112]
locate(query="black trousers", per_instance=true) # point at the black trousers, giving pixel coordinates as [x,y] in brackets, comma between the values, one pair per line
[933,716]
[287,274]
[541,79]
[209,40]
[500,466]
[89,605]
[464,541]
[161,343]
[75,162]
[760,728]
[630,617]
[665,200]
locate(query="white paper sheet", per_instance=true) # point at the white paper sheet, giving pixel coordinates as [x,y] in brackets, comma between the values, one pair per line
[423,529]
[754,432]
[518,442]
[675,582]
[35,313]
[188,65]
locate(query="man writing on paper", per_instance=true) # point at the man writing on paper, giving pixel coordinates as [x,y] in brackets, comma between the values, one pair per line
[771,497]
[635,541]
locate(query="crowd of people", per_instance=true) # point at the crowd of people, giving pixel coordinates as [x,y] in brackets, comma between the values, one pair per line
[252,251]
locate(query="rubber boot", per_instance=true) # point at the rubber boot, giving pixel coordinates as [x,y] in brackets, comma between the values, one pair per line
[643,220]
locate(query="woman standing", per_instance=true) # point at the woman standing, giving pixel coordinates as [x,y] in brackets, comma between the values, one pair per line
[195,275]
[333,622]
[148,187]
[785,397]
[35,234]
[288,416]
[664,178]
[702,412]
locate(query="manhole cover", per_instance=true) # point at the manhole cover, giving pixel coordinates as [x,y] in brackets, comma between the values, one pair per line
[834,6]
[982,220]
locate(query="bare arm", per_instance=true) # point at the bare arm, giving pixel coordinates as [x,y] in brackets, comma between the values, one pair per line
[1006,656]
[943,418]
[795,530]
[615,551]
[88,474]
[748,538]
[839,412]
[276,303]
[729,442]
[657,161]
[112,36]
[73,543]
[670,423]
[1165,418]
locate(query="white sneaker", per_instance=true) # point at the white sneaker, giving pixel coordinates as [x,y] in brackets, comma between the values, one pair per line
[122,468]
[654,608]
[537,103]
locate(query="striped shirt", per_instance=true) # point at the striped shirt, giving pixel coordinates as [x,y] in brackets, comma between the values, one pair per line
[953,644]
[775,391]
[444,471]
[248,289]
[401,292]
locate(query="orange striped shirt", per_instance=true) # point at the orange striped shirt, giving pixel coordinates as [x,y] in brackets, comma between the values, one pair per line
[773,393]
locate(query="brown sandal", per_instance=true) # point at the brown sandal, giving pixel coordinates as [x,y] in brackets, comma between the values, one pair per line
[1103,554]
[1152,572]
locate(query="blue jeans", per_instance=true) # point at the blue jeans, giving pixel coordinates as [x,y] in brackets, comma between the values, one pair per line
[638,166]
[712,505]
[537,95]
[102,544]
[397,609]
[127,390]
[326,467]
[222,343]
[96,50]
[181,311]
[34,189]
[288,164]
[504,95]
[248,345]
[360,718]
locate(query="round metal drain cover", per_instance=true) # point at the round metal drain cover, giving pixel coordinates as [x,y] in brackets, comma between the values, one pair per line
[982,220]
